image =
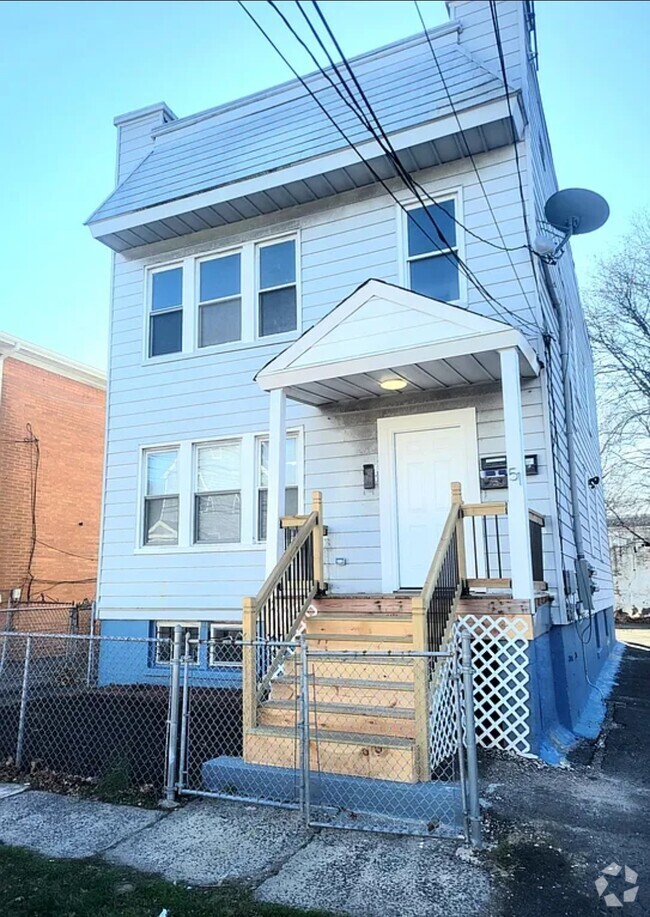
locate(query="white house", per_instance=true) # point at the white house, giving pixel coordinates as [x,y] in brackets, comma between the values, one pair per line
[290,316]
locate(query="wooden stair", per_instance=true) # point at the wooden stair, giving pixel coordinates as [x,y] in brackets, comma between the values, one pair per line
[362,717]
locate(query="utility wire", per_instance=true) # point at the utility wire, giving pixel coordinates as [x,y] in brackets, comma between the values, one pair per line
[386,146]
[61,551]
[343,133]
[470,155]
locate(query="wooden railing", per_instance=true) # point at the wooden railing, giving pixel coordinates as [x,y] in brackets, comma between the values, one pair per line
[275,614]
[486,534]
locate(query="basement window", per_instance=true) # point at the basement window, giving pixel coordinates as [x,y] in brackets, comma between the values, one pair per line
[225,645]
[165,641]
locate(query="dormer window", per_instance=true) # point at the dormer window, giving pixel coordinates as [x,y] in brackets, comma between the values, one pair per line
[431,246]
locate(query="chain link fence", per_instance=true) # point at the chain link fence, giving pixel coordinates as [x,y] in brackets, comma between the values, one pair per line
[71,718]
[335,734]
[339,735]
[49,618]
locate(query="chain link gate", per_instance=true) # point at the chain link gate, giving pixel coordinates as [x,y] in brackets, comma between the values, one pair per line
[334,735]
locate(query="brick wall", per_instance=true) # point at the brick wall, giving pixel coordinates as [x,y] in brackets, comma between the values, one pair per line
[64,471]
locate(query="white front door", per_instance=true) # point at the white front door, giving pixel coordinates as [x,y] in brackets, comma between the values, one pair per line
[420,456]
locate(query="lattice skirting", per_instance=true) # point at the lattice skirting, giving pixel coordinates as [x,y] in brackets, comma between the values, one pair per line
[501,688]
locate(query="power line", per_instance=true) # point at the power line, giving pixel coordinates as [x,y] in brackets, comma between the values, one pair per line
[470,155]
[345,136]
[387,148]
[61,551]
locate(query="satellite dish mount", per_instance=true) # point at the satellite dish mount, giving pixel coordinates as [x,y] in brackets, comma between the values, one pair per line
[573,212]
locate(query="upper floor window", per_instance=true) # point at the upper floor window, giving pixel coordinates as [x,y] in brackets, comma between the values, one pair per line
[161,497]
[431,245]
[166,312]
[223,298]
[217,498]
[277,288]
[220,300]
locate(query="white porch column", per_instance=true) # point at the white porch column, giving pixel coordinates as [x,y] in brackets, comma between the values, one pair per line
[276,472]
[518,526]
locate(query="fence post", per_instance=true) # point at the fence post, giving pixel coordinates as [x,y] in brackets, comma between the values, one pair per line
[470,740]
[185,705]
[91,644]
[23,706]
[172,733]
[304,730]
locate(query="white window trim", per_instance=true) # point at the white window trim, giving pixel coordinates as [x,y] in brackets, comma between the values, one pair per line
[298,432]
[256,274]
[186,478]
[239,440]
[196,297]
[148,312]
[249,298]
[142,494]
[172,624]
[221,625]
[453,194]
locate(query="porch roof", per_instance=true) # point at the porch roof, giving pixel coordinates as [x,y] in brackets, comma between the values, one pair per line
[382,332]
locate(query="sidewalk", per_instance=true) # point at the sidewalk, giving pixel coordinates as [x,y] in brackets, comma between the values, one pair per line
[553,830]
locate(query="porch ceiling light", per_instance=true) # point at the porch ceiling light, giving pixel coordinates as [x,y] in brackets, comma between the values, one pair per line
[393,385]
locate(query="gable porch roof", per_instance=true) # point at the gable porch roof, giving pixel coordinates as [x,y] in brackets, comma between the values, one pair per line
[382,331]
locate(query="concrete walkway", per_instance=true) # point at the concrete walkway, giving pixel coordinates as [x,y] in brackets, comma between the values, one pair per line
[552,831]
[209,842]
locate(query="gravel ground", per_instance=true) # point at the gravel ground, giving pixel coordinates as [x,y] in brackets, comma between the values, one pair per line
[554,830]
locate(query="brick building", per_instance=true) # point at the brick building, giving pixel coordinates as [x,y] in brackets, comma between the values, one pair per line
[52,413]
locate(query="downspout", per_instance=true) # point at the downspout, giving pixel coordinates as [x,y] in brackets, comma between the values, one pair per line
[582,565]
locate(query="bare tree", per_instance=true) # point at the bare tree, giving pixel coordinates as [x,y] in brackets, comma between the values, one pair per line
[618,315]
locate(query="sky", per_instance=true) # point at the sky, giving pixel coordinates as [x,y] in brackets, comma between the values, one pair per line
[67,68]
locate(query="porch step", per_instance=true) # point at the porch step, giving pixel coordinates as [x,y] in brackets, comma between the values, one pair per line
[369,605]
[369,643]
[376,756]
[362,625]
[343,690]
[343,718]
[378,669]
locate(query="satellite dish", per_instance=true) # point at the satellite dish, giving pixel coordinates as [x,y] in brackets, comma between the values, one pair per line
[574,211]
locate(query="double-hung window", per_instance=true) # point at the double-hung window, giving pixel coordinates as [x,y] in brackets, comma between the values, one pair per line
[277,294]
[166,311]
[291,482]
[160,523]
[217,493]
[431,251]
[220,301]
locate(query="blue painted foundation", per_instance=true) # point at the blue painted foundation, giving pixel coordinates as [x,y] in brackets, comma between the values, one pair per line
[419,803]
[127,663]
[572,670]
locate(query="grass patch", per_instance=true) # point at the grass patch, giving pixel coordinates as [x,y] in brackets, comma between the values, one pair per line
[35,886]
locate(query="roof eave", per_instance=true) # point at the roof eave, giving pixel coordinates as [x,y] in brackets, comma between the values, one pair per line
[120,232]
